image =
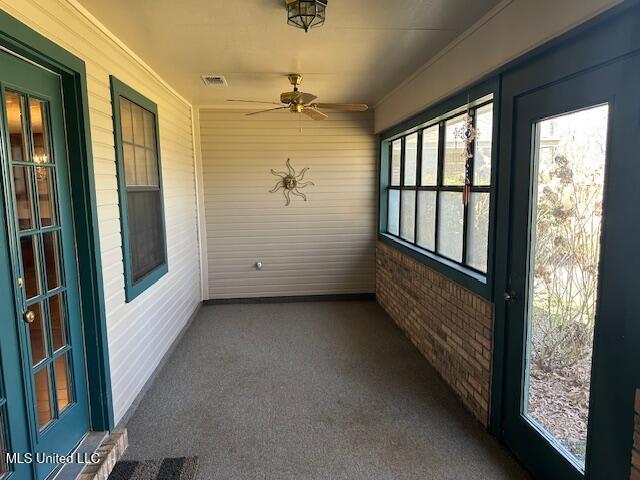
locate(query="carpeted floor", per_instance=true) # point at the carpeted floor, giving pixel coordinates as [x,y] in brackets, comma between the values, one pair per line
[309,391]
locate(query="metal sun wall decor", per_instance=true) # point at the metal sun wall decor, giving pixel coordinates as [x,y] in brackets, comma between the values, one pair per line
[467,133]
[290,183]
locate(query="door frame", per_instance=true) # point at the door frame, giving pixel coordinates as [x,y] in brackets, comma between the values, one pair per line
[19,39]
[610,37]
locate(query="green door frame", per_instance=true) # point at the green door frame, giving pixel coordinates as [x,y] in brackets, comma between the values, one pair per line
[22,40]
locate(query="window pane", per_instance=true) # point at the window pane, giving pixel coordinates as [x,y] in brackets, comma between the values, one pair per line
[393,214]
[58,323]
[138,124]
[478,231]
[63,383]
[396,151]
[455,152]
[23,193]
[46,200]
[30,266]
[141,166]
[407,223]
[427,220]
[149,130]
[126,122]
[430,140]
[37,337]
[52,260]
[152,168]
[482,155]
[15,119]
[146,235]
[40,131]
[410,159]
[450,225]
[43,397]
[129,164]
[566,219]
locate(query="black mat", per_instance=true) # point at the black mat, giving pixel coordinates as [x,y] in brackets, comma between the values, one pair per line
[183,468]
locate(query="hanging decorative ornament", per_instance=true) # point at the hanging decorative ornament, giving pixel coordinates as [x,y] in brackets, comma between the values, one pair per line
[467,133]
[290,183]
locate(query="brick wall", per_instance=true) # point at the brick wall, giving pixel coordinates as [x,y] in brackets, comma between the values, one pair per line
[635,454]
[452,327]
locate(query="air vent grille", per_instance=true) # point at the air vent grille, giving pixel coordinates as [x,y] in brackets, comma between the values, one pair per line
[214,80]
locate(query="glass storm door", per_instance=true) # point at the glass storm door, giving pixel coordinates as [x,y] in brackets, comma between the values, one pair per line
[567,257]
[40,306]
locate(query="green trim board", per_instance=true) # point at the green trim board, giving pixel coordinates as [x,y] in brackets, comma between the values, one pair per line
[134,288]
[22,40]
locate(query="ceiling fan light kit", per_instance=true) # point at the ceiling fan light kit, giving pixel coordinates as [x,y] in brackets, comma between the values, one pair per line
[306,14]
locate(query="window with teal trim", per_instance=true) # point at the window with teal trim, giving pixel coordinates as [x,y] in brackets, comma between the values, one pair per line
[438,191]
[140,188]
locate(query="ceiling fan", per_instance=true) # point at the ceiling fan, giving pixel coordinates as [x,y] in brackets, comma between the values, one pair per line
[301,102]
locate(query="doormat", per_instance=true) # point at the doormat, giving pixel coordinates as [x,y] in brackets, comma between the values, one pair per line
[183,468]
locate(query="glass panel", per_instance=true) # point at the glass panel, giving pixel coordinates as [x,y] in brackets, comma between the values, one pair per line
[4,468]
[149,130]
[126,124]
[58,324]
[430,140]
[393,214]
[37,335]
[30,264]
[40,131]
[427,220]
[129,164]
[46,200]
[396,150]
[146,236]
[407,223]
[138,124]
[23,193]
[478,231]
[152,169]
[482,154]
[410,159]
[455,152]
[450,225]
[52,260]
[141,166]
[63,382]
[15,119]
[43,397]
[567,216]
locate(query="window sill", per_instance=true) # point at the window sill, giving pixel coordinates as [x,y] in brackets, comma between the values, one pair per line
[467,278]
[133,291]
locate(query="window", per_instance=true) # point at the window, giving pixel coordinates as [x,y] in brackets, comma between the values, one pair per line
[438,192]
[140,188]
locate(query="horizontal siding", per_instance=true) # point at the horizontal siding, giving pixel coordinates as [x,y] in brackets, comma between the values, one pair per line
[322,246]
[140,332]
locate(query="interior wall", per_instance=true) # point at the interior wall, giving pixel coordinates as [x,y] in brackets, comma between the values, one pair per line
[508,31]
[322,246]
[139,332]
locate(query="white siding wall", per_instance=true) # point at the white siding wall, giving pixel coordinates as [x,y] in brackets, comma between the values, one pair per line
[322,246]
[139,332]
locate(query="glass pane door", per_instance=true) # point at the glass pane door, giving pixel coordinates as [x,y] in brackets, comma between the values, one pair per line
[566,218]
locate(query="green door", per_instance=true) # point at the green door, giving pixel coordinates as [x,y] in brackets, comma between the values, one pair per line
[573,252]
[43,387]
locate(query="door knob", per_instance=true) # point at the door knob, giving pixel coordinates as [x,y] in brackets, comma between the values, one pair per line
[29,316]
[509,296]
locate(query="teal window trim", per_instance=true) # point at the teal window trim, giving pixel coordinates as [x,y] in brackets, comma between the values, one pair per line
[475,281]
[134,289]
[19,38]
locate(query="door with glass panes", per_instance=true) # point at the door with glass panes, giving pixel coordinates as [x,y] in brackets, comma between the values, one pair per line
[43,390]
[573,231]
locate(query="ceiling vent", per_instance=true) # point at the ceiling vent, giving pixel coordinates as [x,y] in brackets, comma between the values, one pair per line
[214,81]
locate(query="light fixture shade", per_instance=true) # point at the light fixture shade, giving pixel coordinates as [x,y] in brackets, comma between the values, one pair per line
[306,14]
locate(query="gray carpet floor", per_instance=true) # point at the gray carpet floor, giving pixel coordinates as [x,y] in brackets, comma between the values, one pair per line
[327,390]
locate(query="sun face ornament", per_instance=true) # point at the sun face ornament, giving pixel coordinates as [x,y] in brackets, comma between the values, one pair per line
[290,183]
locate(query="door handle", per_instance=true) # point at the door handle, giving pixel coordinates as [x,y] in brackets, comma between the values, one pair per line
[510,296]
[29,316]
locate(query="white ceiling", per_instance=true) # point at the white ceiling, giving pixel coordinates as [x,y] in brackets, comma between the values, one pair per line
[364,50]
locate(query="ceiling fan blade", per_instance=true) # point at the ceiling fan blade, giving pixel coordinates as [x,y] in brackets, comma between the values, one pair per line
[254,101]
[349,107]
[299,98]
[267,110]
[306,98]
[314,114]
